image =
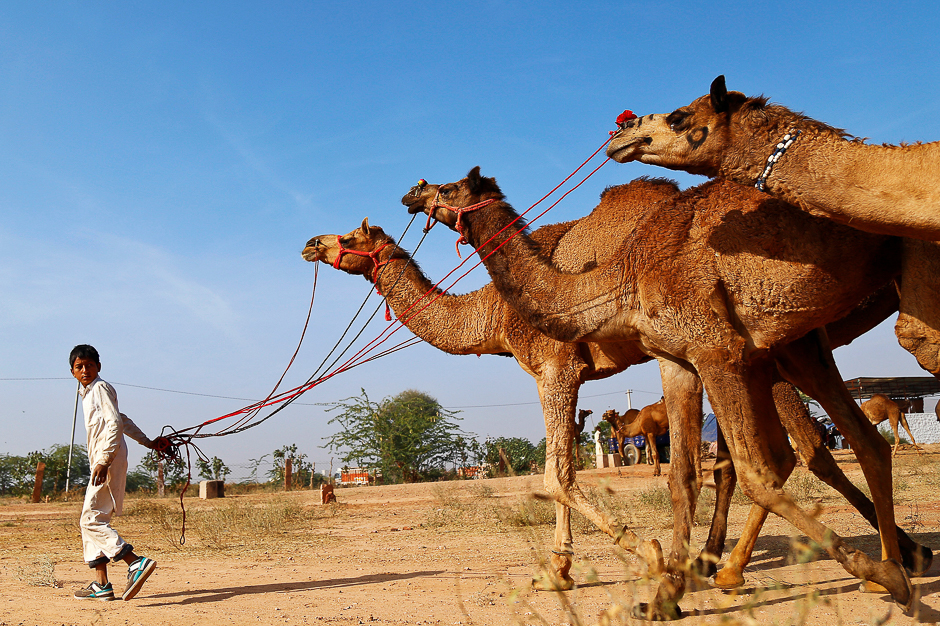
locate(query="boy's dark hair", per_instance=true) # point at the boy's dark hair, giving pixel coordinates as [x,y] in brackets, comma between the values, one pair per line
[83,351]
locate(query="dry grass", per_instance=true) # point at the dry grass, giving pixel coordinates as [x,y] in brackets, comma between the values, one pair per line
[38,574]
[223,525]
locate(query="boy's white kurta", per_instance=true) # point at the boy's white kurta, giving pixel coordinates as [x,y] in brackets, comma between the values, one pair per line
[106,427]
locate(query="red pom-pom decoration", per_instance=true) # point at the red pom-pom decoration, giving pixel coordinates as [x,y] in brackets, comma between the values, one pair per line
[626,115]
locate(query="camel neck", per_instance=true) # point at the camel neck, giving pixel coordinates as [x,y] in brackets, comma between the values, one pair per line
[888,190]
[462,324]
[564,306]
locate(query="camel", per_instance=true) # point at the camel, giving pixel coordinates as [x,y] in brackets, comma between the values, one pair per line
[888,190]
[766,278]
[879,408]
[578,429]
[549,362]
[650,421]
[881,189]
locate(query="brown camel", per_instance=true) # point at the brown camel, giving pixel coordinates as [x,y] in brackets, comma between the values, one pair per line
[578,429]
[546,360]
[879,408]
[882,189]
[890,190]
[766,277]
[650,421]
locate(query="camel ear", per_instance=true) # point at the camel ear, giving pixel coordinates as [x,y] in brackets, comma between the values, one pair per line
[719,94]
[365,226]
[474,179]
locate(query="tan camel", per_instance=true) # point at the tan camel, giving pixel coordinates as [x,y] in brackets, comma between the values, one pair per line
[890,190]
[882,189]
[650,421]
[578,429]
[545,360]
[879,408]
[766,277]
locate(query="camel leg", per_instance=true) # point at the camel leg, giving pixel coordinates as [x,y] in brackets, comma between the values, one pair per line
[897,439]
[683,395]
[808,364]
[799,424]
[741,394]
[652,449]
[725,480]
[558,390]
[907,427]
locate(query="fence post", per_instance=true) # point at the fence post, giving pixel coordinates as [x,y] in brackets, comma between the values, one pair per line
[37,487]
[288,470]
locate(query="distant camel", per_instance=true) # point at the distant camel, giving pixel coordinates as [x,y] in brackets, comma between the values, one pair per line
[578,429]
[879,408]
[650,421]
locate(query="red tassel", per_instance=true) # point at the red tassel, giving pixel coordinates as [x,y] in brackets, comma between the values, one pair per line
[388,313]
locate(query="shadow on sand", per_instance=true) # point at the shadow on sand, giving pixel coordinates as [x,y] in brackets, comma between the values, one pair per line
[198,596]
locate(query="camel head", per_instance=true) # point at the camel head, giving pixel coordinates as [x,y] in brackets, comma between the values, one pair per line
[441,202]
[352,250]
[692,138]
[724,133]
[609,416]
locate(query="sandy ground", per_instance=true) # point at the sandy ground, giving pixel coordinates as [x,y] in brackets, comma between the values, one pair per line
[442,553]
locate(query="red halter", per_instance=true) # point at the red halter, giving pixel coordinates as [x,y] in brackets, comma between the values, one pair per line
[374,255]
[436,203]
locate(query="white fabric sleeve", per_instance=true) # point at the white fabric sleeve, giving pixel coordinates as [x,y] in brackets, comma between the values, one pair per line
[135,433]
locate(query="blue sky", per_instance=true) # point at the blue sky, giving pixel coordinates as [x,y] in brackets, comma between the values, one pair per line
[164,163]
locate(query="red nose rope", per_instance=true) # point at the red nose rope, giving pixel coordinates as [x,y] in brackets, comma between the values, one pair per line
[374,255]
[437,204]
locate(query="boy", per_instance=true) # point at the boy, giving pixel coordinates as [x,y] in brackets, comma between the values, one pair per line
[104,497]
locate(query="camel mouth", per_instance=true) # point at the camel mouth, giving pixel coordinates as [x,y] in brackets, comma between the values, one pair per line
[412,201]
[313,250]
[628,150]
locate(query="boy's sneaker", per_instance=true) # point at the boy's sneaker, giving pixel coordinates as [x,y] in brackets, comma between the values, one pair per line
[94,591]
[137,574]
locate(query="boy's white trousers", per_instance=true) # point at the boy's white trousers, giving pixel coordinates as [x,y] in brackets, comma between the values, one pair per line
[102,502]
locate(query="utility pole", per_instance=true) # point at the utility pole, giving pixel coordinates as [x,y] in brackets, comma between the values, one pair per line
[68,467]
[629,399]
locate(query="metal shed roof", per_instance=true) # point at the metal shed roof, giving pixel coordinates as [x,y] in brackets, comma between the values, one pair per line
[904,387]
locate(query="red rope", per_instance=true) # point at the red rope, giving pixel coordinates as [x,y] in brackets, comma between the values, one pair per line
[360,357]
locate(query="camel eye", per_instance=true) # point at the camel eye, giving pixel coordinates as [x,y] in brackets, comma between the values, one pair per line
[678,120]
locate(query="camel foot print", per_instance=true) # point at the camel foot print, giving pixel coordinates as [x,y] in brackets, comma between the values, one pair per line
[552,582]
[918,561]
[728,578]
[667,612]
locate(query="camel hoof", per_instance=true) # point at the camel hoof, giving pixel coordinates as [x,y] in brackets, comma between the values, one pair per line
[550,582]
[728,578]
[918,561]
[667,612]
[903,597]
